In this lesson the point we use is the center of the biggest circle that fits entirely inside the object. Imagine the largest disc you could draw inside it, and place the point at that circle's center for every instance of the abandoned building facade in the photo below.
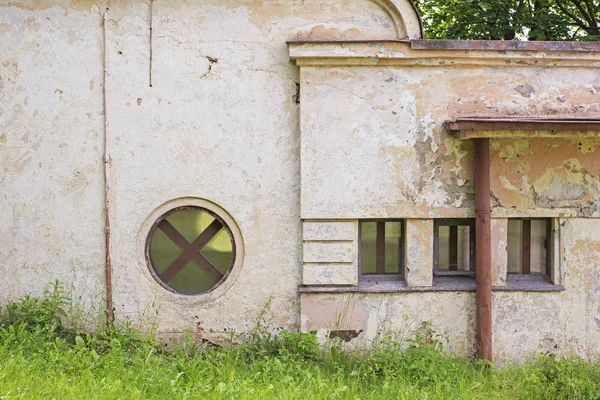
(187, 164)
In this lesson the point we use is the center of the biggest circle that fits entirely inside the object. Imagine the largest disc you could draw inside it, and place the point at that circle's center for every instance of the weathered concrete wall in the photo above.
(208, 112)
(564, 323)
(219, 123)
(51, 130)
(547, 176)
(377, 315)
(374, 145)
(386, 153)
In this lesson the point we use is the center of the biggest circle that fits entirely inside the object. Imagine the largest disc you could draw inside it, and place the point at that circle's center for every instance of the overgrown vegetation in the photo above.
(40, 358)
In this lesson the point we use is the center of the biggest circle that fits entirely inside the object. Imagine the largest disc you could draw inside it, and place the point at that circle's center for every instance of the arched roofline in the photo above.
(406, 18)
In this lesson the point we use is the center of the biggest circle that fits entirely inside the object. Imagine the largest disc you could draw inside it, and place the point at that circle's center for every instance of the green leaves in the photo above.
(511, 19)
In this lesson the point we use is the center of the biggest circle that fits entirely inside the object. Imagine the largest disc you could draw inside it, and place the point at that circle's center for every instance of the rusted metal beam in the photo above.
(453, 248)
(526, 248)
(473, 127)
(483, 249)
(380, 248)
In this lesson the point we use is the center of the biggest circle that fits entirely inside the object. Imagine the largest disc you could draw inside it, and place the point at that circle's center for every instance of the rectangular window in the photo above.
(454, 247)
(529, 246)
(381, 247)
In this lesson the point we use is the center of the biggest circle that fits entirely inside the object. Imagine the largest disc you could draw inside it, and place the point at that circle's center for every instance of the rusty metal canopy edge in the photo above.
(503, 45)
(530, 123)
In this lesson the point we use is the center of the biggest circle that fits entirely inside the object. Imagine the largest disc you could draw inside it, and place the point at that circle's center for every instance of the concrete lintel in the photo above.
(499, 251)
(381, 53)
(419, 252)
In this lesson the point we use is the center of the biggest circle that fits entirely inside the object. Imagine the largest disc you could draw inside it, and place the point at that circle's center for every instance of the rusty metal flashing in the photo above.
(503, 45)
(498, 127)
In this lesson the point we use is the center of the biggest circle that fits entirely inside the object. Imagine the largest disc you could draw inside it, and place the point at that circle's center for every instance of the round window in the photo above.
(190, 250)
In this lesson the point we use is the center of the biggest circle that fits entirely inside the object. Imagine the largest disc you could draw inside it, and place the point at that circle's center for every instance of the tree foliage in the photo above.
(511, 19)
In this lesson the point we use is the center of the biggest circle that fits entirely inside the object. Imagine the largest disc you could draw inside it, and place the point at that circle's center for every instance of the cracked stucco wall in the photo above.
(409, 166)
(221, 122)
(374, 146)
(561, 175)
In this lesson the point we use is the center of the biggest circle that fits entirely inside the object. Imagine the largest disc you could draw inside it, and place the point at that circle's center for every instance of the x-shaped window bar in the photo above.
(191, 251)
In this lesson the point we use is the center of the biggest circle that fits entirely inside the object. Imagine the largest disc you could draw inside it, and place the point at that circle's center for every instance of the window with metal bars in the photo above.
(382, 247)
(190, 250)
(454, 247)
(529, 246)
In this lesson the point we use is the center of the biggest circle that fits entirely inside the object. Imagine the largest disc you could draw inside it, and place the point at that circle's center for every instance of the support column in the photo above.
(483, 249)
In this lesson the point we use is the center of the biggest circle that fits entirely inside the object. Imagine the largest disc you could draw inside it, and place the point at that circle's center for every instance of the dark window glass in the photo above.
(381, 244)
(528, 246)
(454, 246)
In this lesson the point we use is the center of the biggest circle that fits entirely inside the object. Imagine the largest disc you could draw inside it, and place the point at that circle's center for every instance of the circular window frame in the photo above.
(166, 209)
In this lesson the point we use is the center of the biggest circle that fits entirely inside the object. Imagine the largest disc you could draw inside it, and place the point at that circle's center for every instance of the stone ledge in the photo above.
(440, 284)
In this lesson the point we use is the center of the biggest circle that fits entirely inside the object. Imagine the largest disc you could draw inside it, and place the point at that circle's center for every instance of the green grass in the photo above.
(40, 359)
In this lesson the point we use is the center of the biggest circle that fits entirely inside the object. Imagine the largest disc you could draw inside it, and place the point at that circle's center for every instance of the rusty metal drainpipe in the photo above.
(483, 251)
(107, 162)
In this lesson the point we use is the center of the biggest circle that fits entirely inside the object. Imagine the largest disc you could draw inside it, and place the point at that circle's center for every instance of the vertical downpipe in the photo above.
(107, 162)
(150, 39)
(483, 250)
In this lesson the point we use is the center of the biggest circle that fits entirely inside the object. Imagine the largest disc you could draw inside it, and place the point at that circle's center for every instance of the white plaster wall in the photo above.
(374, 146)
(397, 315)
(51, 129)
(220, 123)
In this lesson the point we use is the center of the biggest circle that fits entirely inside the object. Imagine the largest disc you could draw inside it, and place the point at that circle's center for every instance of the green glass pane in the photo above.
(367, 247)
(392, 247)
(515, 247)
(538, 246)
(162, 251)
(219, 251)
(443, 248)
(539, 249)
(393, 237)
(190, 223)
(463, 252)
(461, 243)
(192, 279)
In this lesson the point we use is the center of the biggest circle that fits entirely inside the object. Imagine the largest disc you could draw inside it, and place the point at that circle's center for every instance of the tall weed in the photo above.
(40, 358)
